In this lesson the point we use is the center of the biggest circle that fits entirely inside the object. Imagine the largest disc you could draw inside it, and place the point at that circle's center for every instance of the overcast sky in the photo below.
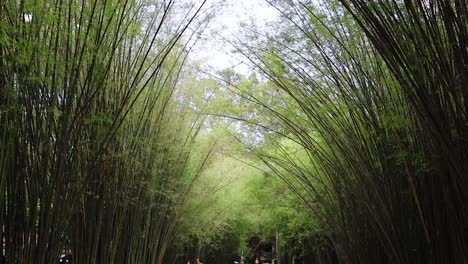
(212, 52)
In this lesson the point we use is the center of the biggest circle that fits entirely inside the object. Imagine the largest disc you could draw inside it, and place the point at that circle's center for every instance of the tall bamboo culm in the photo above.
(379, 90)
(93, 147)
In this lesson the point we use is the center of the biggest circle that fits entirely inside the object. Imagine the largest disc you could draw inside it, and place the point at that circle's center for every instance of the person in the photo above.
(188, 262)
(199, 261)
(257, 261)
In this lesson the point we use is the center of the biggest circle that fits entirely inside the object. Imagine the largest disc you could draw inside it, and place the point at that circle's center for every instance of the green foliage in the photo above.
(351, 141)
(95, 153)
(372, 119)
(234, 200)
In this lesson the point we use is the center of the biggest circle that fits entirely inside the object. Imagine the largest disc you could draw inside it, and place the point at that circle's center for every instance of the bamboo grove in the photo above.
(372, 94)
(95, 152)
(360, 110)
